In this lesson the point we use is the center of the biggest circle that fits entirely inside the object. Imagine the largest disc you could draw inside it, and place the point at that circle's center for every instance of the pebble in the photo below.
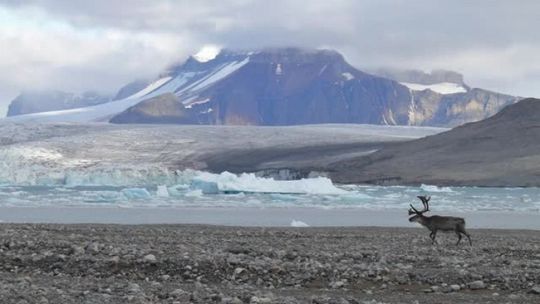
(150, 258)
(535, 290)
(455, 287)
(476, 285)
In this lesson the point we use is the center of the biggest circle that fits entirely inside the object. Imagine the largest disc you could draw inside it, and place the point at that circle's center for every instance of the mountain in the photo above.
(287, 87)
(290, 86)
(503, 150)
(442, 98)
(42, 101)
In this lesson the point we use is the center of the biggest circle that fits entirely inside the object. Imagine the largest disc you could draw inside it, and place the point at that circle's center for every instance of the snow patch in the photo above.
(151, 87)
(323, 69)
(412, 109)
(174, 84)
(207, 53)
(279, 70)
(441, 88)
(348, 76)
(217, 75)
(193, 101)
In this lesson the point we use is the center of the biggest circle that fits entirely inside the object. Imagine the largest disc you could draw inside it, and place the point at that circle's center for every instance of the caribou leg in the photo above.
(433, 235)
(469, 237)
(459, 237)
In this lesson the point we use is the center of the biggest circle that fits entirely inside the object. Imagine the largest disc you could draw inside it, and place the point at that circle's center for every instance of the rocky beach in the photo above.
(216, 264)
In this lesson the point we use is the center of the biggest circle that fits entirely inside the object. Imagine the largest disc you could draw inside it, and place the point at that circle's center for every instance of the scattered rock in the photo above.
(455, 287)
(150, 258)
(476, 285)
(209, 265)
(535, 290)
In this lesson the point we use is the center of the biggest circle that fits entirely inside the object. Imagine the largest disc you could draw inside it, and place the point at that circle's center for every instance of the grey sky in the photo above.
(102, 44)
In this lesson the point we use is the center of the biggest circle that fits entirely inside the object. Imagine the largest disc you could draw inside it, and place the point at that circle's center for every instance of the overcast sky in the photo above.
(78, 45)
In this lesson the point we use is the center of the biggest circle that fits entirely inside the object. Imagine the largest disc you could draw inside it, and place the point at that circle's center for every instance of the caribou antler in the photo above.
(425, 202)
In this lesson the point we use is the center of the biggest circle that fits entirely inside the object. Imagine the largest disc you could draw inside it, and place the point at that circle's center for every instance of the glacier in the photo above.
(99, 154)
(185, 84)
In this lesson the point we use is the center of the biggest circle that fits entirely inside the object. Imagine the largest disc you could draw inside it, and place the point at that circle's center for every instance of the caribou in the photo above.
(436, 222)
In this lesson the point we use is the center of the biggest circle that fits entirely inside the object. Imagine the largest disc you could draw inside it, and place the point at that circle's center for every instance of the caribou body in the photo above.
(435, 223)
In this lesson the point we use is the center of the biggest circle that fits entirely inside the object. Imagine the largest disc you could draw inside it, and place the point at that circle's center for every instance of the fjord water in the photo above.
(205, 198)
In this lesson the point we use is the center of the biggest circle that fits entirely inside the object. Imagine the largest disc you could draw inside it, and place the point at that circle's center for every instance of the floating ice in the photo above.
(162, 191)
(194, 193)
(296, 223)
(136, 193)
(431, 188)
(206, 187)
(248, 182)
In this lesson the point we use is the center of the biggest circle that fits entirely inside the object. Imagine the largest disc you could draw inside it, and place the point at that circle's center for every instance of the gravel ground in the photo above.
(211, 264)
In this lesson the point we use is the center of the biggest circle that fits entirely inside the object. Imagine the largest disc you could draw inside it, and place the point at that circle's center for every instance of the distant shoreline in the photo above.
(256, 216)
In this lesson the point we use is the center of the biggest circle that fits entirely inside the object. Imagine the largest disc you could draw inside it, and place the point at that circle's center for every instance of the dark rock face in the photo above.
(43, 101)
(292, 88)
(165, 108)
(503, 150)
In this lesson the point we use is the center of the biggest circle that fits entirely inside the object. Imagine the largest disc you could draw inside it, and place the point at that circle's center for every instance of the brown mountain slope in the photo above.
(503, 150)
(165, 109)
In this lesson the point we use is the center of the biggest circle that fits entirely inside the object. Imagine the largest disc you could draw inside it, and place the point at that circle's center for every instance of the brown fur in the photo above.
(438, 223)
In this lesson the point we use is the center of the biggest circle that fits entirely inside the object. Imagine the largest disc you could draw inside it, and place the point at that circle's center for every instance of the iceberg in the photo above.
(136, 193)
(162, 191)
(298, 224)
(227, 182)
(431, 188)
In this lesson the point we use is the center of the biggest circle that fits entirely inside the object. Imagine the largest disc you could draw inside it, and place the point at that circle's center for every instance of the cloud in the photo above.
(101, 44)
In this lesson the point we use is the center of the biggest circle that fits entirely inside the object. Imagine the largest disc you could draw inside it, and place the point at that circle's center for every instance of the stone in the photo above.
(150, 258)
(535, 290)
(455, 287)
(338, 284)
(133, 288)
(477, 285)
